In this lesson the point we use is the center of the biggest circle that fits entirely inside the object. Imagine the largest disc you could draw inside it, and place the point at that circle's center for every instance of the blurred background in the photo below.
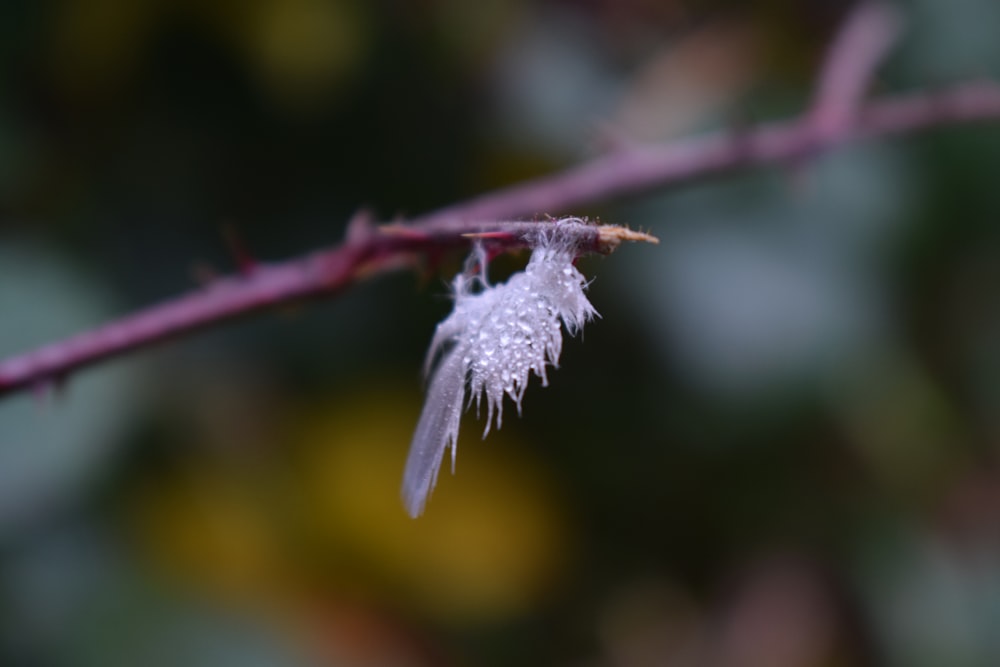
(777, 448)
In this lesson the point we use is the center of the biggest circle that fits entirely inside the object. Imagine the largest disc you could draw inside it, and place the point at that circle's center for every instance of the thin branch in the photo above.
(631, 171)
(370, 250)
(860, 45)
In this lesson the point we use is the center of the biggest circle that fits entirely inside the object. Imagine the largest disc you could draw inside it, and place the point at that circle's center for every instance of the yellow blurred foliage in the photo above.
(96, 43)
(300, 49)
(297, 50)
(323, 518)
(210, 528)
(492, 537)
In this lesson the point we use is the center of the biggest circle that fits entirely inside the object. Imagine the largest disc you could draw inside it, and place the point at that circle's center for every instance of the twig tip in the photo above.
(610, 237)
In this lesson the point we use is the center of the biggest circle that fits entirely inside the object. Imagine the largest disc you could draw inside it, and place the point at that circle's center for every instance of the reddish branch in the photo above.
(859, 46)
(837, 117)
(637, 170)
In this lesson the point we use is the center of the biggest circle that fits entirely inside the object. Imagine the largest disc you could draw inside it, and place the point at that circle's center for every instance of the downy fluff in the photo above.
(492, 341)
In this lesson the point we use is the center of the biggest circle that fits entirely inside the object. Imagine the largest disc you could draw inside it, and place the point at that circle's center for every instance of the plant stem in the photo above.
(838, 117)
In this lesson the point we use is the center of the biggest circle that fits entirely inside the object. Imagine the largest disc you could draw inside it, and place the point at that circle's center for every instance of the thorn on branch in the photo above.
(46, 389)
(204, 274)
(246, 265)
(360, 227)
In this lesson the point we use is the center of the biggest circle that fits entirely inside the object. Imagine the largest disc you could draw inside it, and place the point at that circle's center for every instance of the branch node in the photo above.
(859, 47)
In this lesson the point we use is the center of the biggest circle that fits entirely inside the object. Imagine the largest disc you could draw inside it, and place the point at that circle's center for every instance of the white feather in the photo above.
(493, 340)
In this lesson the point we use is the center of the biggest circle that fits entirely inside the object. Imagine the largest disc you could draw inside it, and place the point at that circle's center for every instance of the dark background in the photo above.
(777, 447)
